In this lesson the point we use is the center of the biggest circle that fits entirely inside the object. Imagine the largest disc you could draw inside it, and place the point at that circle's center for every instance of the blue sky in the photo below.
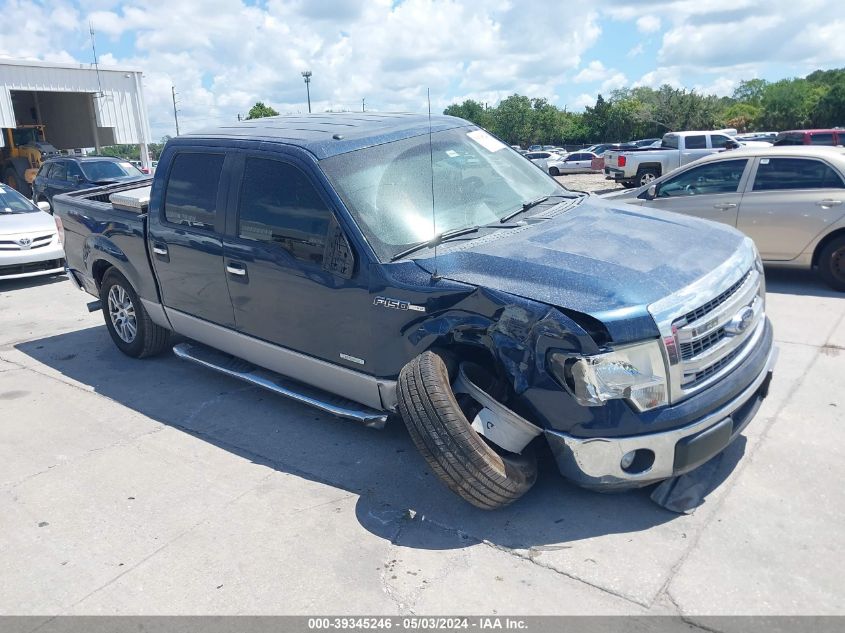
(223, 55)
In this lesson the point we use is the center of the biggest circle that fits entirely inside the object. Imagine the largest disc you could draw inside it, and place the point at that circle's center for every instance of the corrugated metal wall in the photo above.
(119, 106)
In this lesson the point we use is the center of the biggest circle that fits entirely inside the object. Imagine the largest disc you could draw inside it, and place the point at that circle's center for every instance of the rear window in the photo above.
(795, 173)
(191, 197)
(821, 138)
(670, 141)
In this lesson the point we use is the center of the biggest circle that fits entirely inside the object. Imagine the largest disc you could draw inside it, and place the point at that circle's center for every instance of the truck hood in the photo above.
(601, 258)
(22, 223)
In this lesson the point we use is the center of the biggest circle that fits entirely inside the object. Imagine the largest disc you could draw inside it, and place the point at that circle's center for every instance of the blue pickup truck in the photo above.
(392, 265)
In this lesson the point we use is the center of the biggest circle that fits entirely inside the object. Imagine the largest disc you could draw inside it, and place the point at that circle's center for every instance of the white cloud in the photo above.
(636, 51)
(583, 100)
(617, 80)
(648, 23)
(594, 71)
(659, 77)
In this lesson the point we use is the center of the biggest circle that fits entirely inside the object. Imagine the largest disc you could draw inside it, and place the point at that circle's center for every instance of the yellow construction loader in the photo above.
(25, 149)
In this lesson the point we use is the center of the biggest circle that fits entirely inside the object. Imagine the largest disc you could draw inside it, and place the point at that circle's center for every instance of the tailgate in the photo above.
(611, 159)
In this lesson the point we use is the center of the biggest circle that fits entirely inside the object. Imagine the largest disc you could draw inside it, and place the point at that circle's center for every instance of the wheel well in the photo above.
(825, 241)
(98, 270)
(655, 166)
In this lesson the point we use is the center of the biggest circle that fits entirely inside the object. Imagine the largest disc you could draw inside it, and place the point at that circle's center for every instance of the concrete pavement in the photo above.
(157, 487)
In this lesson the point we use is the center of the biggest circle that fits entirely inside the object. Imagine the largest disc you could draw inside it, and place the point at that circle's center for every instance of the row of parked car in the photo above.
(664, 154)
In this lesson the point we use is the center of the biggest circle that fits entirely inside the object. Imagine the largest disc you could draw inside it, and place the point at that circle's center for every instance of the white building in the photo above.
(79, 106)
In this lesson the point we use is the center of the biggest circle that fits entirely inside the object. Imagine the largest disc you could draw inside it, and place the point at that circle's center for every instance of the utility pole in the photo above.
(239, 117)
(362, 106)
(306, 74)
(175, 111)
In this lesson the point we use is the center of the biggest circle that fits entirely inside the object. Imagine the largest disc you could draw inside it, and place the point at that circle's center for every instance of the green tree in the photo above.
(259, 111)
(790, 103)
(751, 91)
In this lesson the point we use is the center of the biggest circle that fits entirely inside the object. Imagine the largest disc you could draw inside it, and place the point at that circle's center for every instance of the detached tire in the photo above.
(128, 323)
(454, 451)
(832, 264)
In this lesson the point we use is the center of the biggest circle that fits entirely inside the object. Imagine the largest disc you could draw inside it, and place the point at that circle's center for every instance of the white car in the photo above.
(574, 163)
(541, 158)
(31, 240)
(789, 200)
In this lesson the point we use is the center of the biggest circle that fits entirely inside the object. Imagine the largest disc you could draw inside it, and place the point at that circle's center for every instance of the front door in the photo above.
(284, 255)
(186, 247)
(790, 202)
(712, 191)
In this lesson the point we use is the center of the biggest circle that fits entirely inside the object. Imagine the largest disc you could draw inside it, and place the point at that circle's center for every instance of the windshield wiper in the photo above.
(530, 204)
(435, 241)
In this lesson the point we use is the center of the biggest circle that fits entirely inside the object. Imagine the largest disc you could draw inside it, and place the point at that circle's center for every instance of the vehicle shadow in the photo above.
(797, 282)
(31, 282)
(383, 468)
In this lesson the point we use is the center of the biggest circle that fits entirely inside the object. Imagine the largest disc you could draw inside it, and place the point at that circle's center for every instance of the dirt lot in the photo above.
(157, 487)
(588, 182)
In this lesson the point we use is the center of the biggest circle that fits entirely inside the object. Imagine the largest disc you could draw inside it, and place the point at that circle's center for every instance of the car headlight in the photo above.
(636, 373)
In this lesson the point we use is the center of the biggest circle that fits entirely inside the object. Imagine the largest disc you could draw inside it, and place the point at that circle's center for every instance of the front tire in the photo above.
(455, 452)
(128, 323)
(832, 264)
(554, 171)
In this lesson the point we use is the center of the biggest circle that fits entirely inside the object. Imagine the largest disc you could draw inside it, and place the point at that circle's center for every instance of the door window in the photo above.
(717, 177)
(191, 197)
(59, 171)
(795, 173)
(696, 142)
(74, 170)
(719, 140)
(821, 138)
(279, 205)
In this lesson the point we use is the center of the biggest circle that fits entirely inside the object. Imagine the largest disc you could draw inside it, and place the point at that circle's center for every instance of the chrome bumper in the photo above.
(596, 462)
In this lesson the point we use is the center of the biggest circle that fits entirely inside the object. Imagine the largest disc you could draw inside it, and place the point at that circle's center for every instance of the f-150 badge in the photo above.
(396, 304)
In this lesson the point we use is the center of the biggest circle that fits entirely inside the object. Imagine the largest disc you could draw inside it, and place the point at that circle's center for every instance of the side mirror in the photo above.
(44, 205)
(651, 193)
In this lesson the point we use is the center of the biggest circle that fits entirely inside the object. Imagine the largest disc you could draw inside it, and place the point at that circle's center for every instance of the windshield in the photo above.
(476, 181)
(108, 170)
(13, 202)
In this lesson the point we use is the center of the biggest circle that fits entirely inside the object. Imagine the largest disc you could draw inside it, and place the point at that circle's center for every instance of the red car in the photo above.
(834, 136)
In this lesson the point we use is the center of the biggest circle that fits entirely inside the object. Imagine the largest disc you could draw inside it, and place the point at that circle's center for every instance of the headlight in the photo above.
(636, 373)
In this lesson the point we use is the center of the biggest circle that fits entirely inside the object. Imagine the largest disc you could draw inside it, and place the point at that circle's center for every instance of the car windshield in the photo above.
(13, 202)
(109, 170)
(475, 180)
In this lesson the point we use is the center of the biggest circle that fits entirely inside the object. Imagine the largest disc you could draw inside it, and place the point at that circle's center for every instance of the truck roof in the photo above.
(329, 134)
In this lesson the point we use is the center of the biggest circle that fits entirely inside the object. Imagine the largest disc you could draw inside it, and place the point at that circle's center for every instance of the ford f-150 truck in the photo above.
(374, 265)
(639, 167)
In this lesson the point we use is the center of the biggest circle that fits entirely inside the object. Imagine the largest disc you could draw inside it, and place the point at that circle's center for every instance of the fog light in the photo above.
(627, 460)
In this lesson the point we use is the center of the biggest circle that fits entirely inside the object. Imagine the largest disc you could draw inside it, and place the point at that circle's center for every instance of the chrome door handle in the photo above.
(234, 269)
(158, 249)
(724, 206)
(829, 203)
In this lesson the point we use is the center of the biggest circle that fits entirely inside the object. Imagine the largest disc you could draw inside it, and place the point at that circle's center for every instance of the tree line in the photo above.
(817, 100)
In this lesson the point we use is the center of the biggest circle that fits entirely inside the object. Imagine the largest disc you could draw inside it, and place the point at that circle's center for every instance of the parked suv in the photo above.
(70, 173)
(835, 136)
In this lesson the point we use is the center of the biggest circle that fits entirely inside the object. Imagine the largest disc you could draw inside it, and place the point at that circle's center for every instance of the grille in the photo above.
(711, 305)
(37, 242)
(706, 346)
(33, 267)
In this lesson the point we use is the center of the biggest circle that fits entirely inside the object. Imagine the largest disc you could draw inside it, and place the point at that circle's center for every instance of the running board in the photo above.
(246, 371)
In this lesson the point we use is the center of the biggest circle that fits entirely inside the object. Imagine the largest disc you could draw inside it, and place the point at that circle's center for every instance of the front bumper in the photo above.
(596, 462)
(47, 260)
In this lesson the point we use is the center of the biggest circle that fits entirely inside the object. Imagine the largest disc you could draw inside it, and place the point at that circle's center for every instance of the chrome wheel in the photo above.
(122, 314)
(647, 178)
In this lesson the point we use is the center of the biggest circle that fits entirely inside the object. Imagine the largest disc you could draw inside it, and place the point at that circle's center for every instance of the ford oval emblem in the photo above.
(740, 321)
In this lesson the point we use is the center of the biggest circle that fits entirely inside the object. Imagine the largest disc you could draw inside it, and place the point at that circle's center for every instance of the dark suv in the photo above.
(70, 173)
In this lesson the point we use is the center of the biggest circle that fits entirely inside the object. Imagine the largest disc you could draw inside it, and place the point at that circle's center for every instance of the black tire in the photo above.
(646, 176)
(149, 339)
(454, 451)
(832, 263)
(629, 185)
(554, 171)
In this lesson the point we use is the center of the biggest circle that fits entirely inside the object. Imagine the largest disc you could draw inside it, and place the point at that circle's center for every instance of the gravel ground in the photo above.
(588, 182)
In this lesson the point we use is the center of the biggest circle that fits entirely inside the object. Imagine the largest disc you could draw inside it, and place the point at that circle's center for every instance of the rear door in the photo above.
(790, 201)
(291, 270)
(186, 245)
(712, 191)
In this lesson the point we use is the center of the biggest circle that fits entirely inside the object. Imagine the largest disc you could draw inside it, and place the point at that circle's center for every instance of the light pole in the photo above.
(307, 76)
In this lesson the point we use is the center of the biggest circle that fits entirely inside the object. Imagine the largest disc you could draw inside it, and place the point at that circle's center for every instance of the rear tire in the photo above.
(646, 176)
(554, 171)
(832, 264)
(128, 323)
(454, 451)
(629, 185)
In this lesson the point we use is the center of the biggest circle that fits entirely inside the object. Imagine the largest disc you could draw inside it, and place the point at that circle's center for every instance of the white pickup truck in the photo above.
(635, 168)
